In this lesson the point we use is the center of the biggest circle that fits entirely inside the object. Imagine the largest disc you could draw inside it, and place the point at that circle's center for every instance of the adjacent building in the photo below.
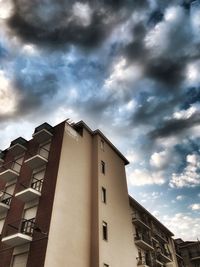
(188, 253)
(153, 241)
(64, 202)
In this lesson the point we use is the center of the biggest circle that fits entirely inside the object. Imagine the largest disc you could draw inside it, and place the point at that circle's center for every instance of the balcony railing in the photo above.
(160, 236)
(30, 192)
(19, 232)
(10, 171)
(38, 159)
(143, 241)
(164, 256)
(5, 200)
(195, 254)
(140, 220)
(37, 184)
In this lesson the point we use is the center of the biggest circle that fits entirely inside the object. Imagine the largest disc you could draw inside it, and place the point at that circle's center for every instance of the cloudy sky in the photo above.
(128, 67)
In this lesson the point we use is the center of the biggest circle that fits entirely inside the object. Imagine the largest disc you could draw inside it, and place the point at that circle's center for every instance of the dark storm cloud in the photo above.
(53, 23)
(167, 71)
(176, 126)
(35, 92)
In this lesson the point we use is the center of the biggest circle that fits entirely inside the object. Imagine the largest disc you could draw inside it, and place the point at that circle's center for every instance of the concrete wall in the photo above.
(119, 249)
(70, 229)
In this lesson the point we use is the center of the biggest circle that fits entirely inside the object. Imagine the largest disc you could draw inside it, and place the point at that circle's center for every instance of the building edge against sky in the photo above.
(65, 202)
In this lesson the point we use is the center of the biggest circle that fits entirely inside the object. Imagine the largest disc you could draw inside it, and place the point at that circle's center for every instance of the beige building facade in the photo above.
(67, 204)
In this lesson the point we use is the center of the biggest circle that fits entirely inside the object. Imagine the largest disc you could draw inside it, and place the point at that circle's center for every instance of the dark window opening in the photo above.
(105, 231)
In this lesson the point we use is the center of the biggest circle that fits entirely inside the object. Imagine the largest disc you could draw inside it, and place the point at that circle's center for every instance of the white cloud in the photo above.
(183, 226)
(6, 8)
(195, 206)
(186, 114)
(82, 13)
(123, 75)
(164, 37)
(180, 197)
(142, 177)
(8, 98)
(190, 177)
(159, 160)
(192, 73)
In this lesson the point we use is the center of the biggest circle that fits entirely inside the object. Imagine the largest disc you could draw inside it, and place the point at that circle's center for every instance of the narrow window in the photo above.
(102, 144)
(20, 260)
(105, 231)
(103, 195)
(105, 265)
(103, 167)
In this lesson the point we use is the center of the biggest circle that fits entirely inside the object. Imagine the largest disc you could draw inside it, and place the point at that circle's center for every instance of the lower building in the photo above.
(64, 202)
(188, 253)
(153, 242)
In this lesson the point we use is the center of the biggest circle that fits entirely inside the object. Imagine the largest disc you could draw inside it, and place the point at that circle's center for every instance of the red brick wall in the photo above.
(38, 245)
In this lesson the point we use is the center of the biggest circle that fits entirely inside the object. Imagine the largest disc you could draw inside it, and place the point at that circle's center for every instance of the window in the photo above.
(103, 195)
(44, 150)
(102, 144)
(103, 168)
(17, 163)
(105, 231)
(20, 260)
(1, 225)
(105, 265)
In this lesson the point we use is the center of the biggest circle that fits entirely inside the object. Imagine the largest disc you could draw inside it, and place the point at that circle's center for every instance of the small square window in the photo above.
(103, 167)
(102, 144)
(105, 231)
(103, 195)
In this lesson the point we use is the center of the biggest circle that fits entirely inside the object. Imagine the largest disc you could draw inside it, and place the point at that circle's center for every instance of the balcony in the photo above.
(39, 159)
(143, 241)
(195, 255)
(140, 221)
(5, 200)
(164, 257)
(160, 237)
(43, 133)
(31, 192)
(21, 232)
(143, 262)
(10, 173)
(18, 146)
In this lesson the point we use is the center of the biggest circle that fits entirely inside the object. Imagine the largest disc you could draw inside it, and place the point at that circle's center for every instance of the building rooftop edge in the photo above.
(132, 200)
(97, 131)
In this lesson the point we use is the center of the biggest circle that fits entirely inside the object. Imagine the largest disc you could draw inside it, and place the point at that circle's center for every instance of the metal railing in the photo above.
(163, 252)
(40, 151)
(37, 184)
(160, 235)
(143, 237)
(195, 254)
(11, 165)
(24, 226)
(5, 198)
(27, 226)
(137, 216)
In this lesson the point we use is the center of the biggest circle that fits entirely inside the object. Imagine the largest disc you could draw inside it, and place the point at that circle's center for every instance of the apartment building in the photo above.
(64, 202)
(153, 241)
(188, 253)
